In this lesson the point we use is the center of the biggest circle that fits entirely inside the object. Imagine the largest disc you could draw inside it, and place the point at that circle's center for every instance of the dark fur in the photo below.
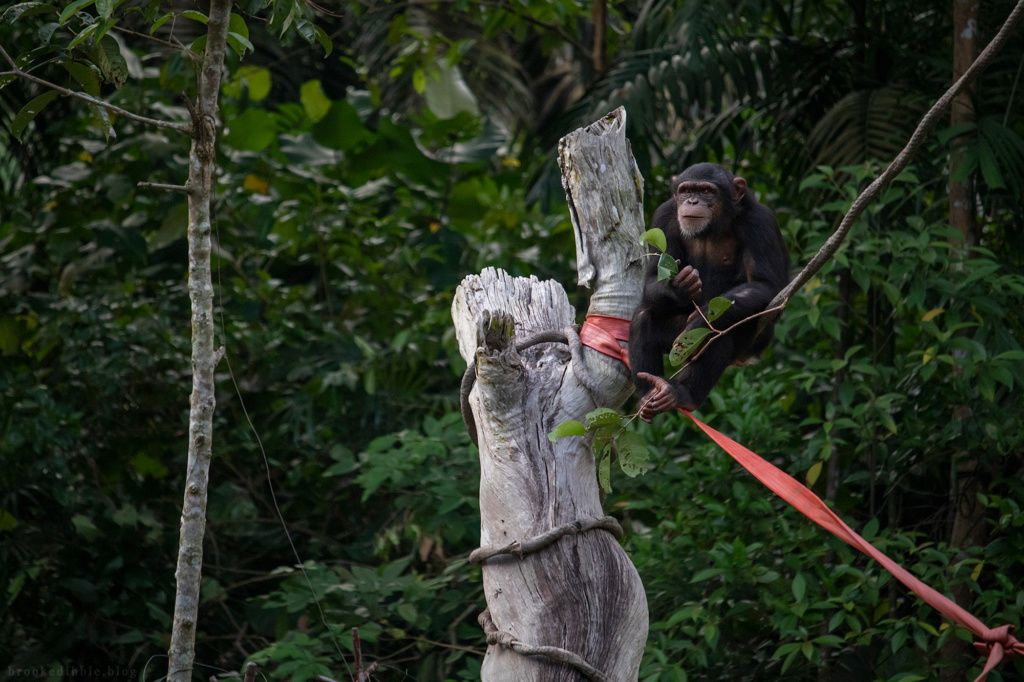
(740, 255)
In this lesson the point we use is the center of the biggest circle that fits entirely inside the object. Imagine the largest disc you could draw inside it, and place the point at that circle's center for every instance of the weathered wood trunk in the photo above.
(580, 594)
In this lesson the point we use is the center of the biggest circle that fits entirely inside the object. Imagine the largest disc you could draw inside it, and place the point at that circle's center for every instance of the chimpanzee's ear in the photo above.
(739, 189)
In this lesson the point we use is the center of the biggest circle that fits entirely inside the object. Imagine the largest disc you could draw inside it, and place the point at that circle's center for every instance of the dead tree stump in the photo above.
(579, 594)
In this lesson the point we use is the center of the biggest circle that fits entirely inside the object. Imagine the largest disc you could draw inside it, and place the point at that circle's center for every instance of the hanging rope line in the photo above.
(996, 643)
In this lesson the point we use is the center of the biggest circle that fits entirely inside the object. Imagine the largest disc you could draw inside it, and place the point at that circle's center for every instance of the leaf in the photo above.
(239, 44)
(829, 640)
(932, 314)
(814, 472)
(104, 27)
(407, 611)
(146, 464)
(253, 130)
(282, 25)
(701, 576)
(799, 586)
(325, 41)
(870, 530)
(634, 457)
(813, 315)
(656, 238)
(25, 9)
(314, 34)
(256, 78)
(194, 16)
(989, 166)
(419, 81)
(29, 112)
(447, 93)
(85, 527)
(85, 76)
(236, 24)
(602, 417)
(256, 184)
(45, 32)
(604, 474)
(105, 8)
(314, 101)
(101, 117)
(569, 428)
(687, 344)
(897, 640)
(717, 306)
(160, 22)
(836, 619)
(85, 33)
(667, 267)
(107, 56)
(71, 9)
(341, 128)
(785, 649)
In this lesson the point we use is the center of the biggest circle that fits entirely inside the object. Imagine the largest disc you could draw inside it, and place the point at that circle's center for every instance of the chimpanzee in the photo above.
(727, 244)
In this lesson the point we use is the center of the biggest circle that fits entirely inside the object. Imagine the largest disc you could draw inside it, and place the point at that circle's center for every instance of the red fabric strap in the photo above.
(603, 333)
(997, 643)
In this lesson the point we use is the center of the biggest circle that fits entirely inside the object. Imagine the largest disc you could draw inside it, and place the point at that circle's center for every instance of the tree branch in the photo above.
(15, 71)
(169, 188)
(900, 162)
(178, 46)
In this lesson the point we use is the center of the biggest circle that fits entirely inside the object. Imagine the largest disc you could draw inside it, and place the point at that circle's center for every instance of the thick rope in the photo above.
(535, 544)
(552, 652)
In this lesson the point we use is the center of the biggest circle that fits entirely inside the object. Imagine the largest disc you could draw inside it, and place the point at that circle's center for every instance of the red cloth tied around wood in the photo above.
(997, 643)
(603, 333)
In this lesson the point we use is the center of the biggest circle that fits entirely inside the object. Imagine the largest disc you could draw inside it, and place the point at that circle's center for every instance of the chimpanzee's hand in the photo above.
(688, 280)
(659, 399)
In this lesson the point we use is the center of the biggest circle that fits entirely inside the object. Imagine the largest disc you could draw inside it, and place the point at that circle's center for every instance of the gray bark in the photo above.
(181, 653)
(580, 594)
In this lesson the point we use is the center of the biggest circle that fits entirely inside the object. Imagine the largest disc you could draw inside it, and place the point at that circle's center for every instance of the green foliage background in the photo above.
(369, 162)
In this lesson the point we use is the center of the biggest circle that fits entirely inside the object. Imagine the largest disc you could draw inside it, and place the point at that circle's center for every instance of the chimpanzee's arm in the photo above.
(670, 296)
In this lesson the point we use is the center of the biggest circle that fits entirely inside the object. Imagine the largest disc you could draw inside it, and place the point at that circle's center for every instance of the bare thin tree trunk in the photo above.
(188, 575)
(968, 514)
(961, 192)
(581, 594)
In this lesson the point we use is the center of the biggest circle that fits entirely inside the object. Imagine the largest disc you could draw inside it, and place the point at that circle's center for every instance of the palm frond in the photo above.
(865, 125)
